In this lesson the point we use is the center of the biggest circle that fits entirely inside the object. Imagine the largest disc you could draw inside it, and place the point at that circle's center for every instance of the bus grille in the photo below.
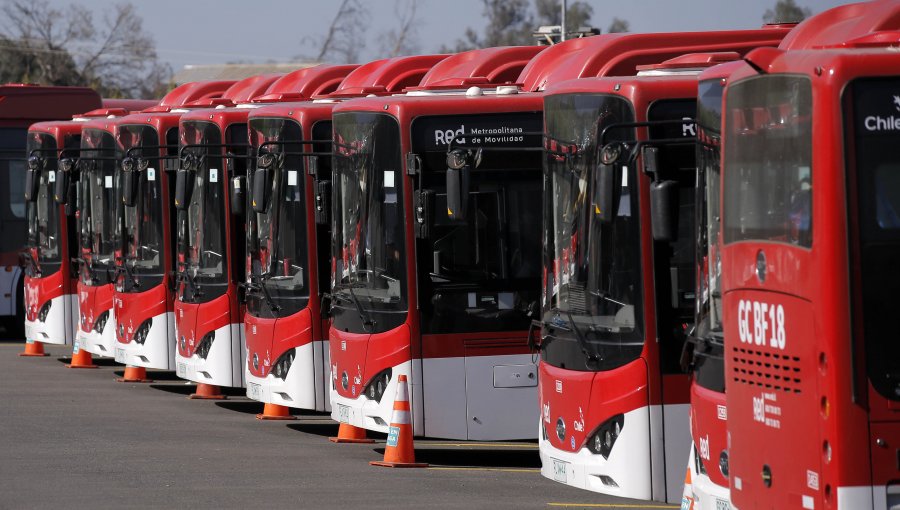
(766, 369)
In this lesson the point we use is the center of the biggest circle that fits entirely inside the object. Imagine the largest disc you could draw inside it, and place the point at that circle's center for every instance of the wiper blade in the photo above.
(266, 295)
(367, 321)
(589, 355)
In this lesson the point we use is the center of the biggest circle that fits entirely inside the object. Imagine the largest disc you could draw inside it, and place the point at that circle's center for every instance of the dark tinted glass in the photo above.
(768, 160)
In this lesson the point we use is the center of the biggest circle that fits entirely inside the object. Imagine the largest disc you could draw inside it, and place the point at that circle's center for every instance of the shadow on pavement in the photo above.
(100, 362)
(250, 407)
(459, 457)
(155, 375)
(316, 429)
(179, 389)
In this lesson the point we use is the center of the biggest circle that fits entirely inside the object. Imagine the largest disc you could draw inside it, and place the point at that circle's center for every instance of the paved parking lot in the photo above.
(77, 439)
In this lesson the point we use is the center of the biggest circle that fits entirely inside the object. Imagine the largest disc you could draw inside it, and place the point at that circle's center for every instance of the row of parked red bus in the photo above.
(314, 236)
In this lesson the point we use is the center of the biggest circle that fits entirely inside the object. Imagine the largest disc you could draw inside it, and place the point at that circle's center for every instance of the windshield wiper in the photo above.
(591, 357)
(605, 295)
(261, 285)
(367, 321)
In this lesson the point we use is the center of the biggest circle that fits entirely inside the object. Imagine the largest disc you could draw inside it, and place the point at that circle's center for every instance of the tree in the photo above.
(404, 40)
(47, 45)
(786, 11)
(345, 36)
(509, 23)
(618, 25)
(549, 12)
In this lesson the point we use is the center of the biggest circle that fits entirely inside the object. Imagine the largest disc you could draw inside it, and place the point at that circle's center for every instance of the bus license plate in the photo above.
(181, 370)
(254, 391)
(559, 470)
(721, 504)
(343, 413)
(120, 355)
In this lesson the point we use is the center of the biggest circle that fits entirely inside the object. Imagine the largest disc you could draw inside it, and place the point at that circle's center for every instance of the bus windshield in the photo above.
(768, 157)
(280, 258)
(591, 306)
(99, 178)
(202, 226)
(144, 221)
(368, 236)
(12, 185)
(708, 359)
(482, 273)
(43, 215)
(875, 174)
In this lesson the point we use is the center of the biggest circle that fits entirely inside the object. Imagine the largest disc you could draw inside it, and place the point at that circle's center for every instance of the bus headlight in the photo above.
(140, 336)
(283, 364)
(205, 344)
(723, 463)
(375, 389)
(601, 442)
(100, 323)
(45, 310)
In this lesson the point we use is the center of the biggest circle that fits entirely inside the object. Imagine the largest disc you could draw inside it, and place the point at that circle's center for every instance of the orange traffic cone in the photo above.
(349, 434)
(81, 359)
(134, 375)
(275, 412)
(399, 452)
(207, 392)
(33, 349)
(687, 497)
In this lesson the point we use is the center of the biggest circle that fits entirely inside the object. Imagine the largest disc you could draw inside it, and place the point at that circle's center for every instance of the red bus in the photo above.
(809, 231)
(145, 318)
(618, 300)
(710, 456)
(288, 256)
(218, 363)
(50, 143)
(212, 246)
(22, 220)
(144, 279)
(446, 298)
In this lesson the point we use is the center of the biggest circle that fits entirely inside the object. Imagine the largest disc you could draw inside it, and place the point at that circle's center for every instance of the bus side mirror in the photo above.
(183, 188)
(237, 195)
(33, 178)
(61, 187)
(72, 203)
(261, 189)
(423, 205)
(603, 199)
(458, 168)
(323, 202)
(130, 178)
(663, 199)
(664, 210)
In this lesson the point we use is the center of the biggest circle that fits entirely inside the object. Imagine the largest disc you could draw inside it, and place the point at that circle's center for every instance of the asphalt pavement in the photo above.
(72, 439)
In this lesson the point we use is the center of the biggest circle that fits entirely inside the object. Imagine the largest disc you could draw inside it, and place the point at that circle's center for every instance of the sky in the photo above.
(218, 31)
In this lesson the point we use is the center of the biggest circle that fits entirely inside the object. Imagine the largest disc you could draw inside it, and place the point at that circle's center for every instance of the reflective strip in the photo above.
(402, 393)
(400, 418)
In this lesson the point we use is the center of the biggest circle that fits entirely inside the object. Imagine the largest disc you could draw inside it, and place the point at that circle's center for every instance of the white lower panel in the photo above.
(496, 410)
(372, 415)
(59, 327)
(157, 351)
(627, 471)
(303, 386)
(444, 393)
(677, 437)
(99, 344)
(707, 495)
(8, 280)
(222, 366)
(851, 498)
